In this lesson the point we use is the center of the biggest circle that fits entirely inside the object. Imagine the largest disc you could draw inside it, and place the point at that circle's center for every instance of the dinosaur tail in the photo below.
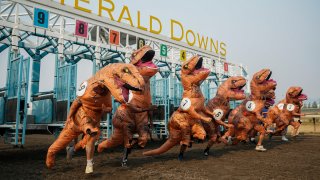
(162, 149)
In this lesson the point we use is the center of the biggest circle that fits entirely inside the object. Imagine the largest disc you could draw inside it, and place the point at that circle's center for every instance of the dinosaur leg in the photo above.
(295, 126)
(242, 128)
(260, 128)
(230, 133)
(128, 141)
(262, 132)
(198, 131)
(65, 137)
(90, 140)
(117, 137)
(213, 134)
(142, 128)
(183, 148)
(252, 135)
(115, 140)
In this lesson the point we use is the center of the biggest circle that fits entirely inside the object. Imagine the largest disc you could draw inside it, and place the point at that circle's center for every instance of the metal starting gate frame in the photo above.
(46, 27)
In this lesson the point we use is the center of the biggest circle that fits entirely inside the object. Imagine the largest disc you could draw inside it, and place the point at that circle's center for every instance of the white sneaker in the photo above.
(89, 169)
(260, 148)
(70, 152)
(229, 140)
(252, 139)
(284, 138)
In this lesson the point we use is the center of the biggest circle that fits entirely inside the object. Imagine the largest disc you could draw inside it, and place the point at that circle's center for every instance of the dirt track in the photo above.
(297, 159)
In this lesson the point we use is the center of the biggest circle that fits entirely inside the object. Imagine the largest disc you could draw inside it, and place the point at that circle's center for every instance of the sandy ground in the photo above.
(297, 159)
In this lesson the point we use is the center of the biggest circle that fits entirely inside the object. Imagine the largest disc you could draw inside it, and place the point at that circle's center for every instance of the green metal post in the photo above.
(18, 100)
(26, 101)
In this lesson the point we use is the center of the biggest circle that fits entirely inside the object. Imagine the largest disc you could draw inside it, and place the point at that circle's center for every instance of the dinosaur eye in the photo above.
(234, 81)
(126, 70)
(185, 66)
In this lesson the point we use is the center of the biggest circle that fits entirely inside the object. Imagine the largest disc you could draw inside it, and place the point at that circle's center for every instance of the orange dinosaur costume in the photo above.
(93, 98)
(191, 110)
(247, 116)
(231, 89)
(132, 117)
(283, 113)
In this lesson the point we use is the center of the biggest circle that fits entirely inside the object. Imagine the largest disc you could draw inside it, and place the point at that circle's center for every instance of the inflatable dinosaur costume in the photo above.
(191, 110)
(247, 116)
(132, 117)
(283, 113)
(93, 98)
(231, 89)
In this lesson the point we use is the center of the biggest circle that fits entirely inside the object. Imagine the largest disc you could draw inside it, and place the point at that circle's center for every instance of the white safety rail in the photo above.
(72, 34)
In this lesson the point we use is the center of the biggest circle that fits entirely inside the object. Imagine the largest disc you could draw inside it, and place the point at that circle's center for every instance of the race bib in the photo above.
(280, 106)
(185, 104)
(82, 88)
(290, 107)
(218, 114)
(250, 106)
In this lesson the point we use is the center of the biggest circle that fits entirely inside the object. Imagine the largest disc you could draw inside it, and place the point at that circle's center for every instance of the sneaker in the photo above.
(260, 148)
(284, 138)
(229, 140)
(89, 169)
(70, 152)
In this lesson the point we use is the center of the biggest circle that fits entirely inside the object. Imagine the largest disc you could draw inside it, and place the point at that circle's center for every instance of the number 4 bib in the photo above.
(290, 107)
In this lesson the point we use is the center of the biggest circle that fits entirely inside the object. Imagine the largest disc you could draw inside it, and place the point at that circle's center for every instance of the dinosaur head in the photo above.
(270, 96)
(194, 70)
(294, 94)
(261, 82)
(232, 88)
(120, 78)
(142, 59)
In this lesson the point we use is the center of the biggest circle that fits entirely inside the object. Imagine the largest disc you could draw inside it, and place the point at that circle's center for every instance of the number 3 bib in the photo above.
(250, 106)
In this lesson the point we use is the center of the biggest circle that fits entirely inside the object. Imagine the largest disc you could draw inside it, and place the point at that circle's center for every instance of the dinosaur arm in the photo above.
(260, 117)
(298, 114)
(137, 109)
(223, 123)
(208, 112)
(74, 108)
(194, 114)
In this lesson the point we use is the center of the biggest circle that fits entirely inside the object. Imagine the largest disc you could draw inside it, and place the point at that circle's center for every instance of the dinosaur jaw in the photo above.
(238, 92)
(270, 101)
(125, 88)
(302, 97)
(268, 80)
(199, 67)
(145, 66)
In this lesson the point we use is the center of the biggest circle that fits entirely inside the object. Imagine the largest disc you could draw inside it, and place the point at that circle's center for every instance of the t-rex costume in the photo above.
(220, 105)
(132, 117)
(247, 116)
(93, 98)
(191, 109)
(283, 113)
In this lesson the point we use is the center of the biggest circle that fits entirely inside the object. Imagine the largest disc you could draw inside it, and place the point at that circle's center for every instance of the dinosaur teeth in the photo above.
(269, 76)
(129, 87)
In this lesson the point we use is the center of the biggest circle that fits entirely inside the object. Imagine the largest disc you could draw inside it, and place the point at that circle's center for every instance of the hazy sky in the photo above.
(283, 35)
